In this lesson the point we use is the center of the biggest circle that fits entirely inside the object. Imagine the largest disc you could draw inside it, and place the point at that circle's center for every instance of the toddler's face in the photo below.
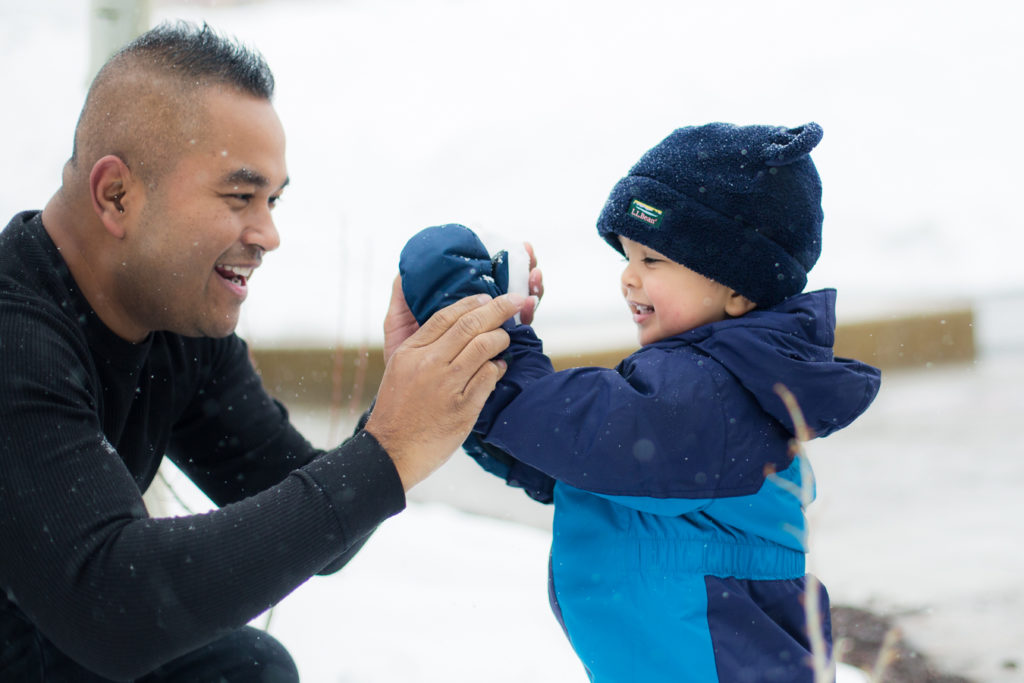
(665, 297)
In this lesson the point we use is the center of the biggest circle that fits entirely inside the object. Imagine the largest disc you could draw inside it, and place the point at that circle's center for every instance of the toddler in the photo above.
(679, 535)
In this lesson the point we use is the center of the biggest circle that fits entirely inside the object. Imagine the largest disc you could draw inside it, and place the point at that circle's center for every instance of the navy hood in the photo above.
(792, 344)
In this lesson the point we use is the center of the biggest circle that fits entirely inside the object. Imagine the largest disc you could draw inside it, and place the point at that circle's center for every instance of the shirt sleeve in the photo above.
(121, 592)
(231, 438)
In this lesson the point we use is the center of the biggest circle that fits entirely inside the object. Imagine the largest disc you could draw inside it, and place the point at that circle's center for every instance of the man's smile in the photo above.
(238, 275)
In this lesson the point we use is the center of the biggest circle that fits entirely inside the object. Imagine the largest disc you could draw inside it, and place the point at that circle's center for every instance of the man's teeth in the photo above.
(235, 274)
(238, 270)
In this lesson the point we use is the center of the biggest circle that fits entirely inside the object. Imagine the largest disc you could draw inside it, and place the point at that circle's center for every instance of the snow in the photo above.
(919, 513)
(517, 118)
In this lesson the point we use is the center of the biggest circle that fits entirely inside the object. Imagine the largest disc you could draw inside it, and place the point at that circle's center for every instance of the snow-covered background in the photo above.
(516, 117)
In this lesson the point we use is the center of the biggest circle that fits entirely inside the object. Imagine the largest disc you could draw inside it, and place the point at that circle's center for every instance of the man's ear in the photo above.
(738, 305)
(109, 183)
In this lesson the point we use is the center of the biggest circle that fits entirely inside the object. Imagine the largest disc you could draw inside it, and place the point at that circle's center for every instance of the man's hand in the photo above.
(536, 286)
(437, 380)
(399, 323)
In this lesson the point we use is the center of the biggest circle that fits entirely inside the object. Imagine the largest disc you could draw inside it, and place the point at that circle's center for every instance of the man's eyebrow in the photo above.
(247, 176)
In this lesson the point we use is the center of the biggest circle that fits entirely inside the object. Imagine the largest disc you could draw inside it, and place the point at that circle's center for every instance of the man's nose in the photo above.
(262, 232)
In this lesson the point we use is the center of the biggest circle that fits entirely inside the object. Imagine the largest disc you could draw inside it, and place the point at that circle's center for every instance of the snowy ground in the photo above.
(517, 118)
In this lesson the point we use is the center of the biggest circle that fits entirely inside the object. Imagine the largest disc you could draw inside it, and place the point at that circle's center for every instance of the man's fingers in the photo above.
(483, 382)
(499, 310)
(529, 310)
(535, 279)
(478, 351)
(442, 321)
(536, 283)
(530, 252)
(455, 326)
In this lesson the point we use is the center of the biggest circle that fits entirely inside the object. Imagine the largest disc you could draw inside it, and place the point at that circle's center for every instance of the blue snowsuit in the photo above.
(677, 555)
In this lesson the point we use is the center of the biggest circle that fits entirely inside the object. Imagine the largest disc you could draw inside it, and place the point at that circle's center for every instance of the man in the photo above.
(118, 304)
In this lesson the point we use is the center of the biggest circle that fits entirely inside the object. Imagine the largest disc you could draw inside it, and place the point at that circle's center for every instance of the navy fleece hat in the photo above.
(738, 204)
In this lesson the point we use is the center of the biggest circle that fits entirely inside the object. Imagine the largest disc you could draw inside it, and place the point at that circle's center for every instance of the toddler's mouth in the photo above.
(640, 309)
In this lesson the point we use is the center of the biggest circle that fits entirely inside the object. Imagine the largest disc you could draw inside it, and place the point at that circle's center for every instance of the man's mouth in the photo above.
(237, 275)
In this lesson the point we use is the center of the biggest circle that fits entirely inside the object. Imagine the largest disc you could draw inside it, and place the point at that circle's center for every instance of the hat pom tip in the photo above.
(795, 144)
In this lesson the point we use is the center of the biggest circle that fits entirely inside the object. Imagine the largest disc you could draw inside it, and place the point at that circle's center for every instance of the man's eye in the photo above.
(273, 201)
(240, 199)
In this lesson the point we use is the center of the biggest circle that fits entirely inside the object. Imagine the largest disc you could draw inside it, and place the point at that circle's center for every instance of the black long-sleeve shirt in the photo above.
(85, 420)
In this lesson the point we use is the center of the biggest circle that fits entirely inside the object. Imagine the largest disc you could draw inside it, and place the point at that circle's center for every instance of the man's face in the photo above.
(206, 223)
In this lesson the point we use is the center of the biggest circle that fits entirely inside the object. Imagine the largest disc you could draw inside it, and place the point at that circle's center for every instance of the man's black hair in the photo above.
(202, 54)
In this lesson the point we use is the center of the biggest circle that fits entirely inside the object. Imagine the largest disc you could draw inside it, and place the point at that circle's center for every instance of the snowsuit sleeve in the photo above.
(121, 592)
(658, 433)
(658, 427)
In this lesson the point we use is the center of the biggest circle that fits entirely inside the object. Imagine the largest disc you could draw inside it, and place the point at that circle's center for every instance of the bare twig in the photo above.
(824, 664)
(337, 386)
(822, 660)
(887, 655)
(174, 493)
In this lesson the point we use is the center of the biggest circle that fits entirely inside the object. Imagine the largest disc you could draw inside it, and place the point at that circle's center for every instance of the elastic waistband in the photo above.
(755, 561)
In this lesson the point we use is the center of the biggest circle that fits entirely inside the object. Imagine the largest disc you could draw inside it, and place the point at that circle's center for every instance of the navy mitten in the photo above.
(445, 263)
